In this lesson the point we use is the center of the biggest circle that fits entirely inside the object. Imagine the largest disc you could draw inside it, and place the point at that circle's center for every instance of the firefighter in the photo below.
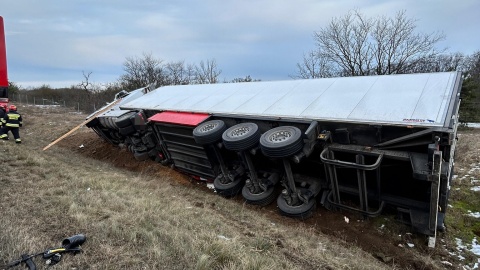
(12, 121)
(3, 110)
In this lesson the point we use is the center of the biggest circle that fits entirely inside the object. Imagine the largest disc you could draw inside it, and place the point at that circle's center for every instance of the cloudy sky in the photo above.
(53, 41)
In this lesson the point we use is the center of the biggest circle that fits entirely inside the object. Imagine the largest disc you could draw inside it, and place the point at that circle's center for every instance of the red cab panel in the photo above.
(3, 57)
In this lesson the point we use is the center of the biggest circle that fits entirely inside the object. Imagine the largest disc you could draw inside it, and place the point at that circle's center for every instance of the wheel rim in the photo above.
(208, 127)
(279, 136)
(241, 136)
(240, 132)
(281, 141)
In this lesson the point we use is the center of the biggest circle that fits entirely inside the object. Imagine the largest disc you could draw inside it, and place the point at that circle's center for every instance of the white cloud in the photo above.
(262, 38)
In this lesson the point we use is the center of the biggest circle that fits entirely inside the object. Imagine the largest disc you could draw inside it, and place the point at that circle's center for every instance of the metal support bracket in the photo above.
(434, 178)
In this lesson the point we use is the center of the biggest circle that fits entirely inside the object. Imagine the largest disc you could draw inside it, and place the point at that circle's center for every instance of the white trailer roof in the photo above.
(420, 99)
(115, 111)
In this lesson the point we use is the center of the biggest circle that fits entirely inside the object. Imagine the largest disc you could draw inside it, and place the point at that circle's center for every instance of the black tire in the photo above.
(148, 140)
(264, 198)
(241, 137)
(153, 153)
(228, 190)
(111, 123)
(127, 130)
(130, 148)
(281, 142)
(302, 211)
(140, 148)
(101, 120)
(136, 140)
(124, 120)
(209, 132)
(117, 135)
(141, 156)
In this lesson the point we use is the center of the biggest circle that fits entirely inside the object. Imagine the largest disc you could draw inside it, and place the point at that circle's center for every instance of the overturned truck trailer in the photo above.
(364, 144)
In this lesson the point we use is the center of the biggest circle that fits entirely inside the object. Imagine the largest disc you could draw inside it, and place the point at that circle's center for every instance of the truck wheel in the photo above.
(241, 137)
(302, 211)
(111, 123)
(229, 189)
(140, 148)
(281, 142)
(209, 132)
(141, 156)
(125, 131)
(124, 120)
(263, 198)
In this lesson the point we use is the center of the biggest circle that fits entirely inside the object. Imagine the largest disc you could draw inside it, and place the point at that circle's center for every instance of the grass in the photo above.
(139, 220)
(462, 199)
(154, 218)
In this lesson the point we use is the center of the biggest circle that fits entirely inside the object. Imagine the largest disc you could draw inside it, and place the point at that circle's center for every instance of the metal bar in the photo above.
(251, 167)
(411, 136)
(434, 178)
(288, 172)
(370, 151)
(366, 213)
(362, 184)
(223, 167)
(332, 171)
(350, 164)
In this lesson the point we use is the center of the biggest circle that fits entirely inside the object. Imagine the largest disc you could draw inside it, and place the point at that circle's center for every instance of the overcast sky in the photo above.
(53, 41)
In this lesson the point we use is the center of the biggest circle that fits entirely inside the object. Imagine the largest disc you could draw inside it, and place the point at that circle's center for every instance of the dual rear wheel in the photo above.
(279, 142)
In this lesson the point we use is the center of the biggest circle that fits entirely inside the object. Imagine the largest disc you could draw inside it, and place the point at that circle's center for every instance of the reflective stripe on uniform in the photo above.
(13, 116)
(13, 120)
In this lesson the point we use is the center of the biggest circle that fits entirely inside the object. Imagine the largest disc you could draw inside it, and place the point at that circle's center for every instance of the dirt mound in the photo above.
(383, 237)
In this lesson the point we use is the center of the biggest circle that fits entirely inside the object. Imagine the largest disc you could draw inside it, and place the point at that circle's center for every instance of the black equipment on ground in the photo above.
(54, 255)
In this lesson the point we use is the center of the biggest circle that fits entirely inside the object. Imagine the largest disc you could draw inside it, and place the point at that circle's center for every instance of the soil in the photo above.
(383, 237)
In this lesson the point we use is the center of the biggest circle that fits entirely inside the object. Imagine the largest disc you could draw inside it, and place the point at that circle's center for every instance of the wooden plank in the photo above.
(83, 123)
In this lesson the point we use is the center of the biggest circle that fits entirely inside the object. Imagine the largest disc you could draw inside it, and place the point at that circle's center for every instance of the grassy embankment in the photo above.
(145, 220)
(139, 221)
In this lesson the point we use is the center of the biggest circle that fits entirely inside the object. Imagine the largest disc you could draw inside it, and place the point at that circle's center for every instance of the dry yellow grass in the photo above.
(145, 220)
(138, 221)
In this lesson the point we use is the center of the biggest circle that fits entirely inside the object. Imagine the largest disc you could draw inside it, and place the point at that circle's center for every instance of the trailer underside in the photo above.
(360, 155)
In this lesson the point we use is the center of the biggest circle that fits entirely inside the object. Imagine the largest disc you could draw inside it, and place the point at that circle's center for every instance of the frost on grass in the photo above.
(473, 125)
(474, 248)
(474, 214)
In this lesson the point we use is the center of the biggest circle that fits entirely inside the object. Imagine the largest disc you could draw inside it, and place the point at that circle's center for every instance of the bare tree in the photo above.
(143, 71)
(397, 46)
(439, 63)
(355, 45)
(87, 86)
(91, 92)
(207, 73)
(313, 67)
(179, 73)
(247, 78)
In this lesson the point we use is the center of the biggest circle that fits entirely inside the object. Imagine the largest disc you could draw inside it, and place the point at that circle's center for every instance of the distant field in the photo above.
(141, 215)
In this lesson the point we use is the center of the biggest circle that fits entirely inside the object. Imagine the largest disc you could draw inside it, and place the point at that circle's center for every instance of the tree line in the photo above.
(351, 45)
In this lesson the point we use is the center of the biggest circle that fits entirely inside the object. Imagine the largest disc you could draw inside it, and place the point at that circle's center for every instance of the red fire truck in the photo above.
(3, 66)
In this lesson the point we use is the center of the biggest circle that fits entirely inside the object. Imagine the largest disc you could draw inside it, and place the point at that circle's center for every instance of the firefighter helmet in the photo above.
(3, 106)
(12, 108)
